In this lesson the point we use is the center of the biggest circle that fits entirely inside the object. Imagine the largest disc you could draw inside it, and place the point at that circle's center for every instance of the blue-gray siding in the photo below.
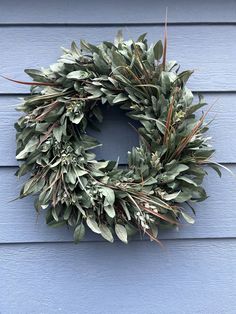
(41, 271)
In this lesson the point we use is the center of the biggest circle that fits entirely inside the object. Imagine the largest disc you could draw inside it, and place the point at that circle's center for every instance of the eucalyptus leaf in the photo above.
(109, 209)
(121, 233)
(79, 233)
(78, 75)
(188, 218)
(109, 194)
(158, 50)
(57, 132)
(106, 233)
(92, 224)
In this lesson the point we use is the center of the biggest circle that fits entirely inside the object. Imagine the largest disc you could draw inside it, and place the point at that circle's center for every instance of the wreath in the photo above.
(164, 173)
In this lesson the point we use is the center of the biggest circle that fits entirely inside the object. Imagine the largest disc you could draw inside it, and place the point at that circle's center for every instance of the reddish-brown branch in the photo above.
(43, 115)
(165, 43)
(30, 83)
(153, 238)
(47, 134)
(168, 122)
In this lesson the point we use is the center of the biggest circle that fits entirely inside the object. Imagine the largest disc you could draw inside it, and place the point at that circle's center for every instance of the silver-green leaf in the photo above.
(79, 233)
(121, 233)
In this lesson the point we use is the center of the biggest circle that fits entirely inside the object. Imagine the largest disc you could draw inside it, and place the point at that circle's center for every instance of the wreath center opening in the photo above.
(116, 134)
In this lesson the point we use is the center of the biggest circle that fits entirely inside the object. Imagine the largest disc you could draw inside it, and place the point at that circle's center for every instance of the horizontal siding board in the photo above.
(215, 217)
(96, 278)
(118, 137)
(198, 47)
(106, 11)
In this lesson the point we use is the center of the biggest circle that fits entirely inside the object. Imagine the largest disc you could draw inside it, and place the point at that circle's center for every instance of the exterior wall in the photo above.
(41, 270)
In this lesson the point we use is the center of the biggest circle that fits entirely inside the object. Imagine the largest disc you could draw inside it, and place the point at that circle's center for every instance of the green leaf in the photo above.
(172, 196)
(70, 175)
(119, 38)
(121, 233)
(154, 230)
(188, 218)
(79, 233)
(126, 210)
(188, 180)
(80, 172)
(101, 164)
(92, 224)
(141, 37)
(120, 98)
(109, 209)
(56, 224)
(183, 197)
(216, 168)
(57, 132)
(37, 75)
(76, 119)
(106, 233)
(28, 187)
(176, 169)
(44, 197)
(67, 213)
(100, 64)
(150, 181)
(161, 126)
(56, 212)
(88, 47)
(118, 59)
(75, 50)
(150, 55)
(78, 75)
(184, 76)
(23, 169)
(29, 147)
(131, 229)
(94, 91)
(109, 194)
(56, 163)
(89, 142)
(158, 50)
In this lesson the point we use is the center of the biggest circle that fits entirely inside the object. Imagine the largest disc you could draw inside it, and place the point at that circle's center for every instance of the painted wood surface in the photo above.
(208, 49)
(116, 12)
(187, 276)
(118, 136)
(40, 270)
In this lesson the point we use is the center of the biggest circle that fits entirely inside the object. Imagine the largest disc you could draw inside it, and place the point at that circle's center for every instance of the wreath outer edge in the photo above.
(164, 174)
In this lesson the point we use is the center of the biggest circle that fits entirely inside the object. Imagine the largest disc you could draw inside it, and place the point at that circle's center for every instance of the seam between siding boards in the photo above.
(115, 24)
(117, 241)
